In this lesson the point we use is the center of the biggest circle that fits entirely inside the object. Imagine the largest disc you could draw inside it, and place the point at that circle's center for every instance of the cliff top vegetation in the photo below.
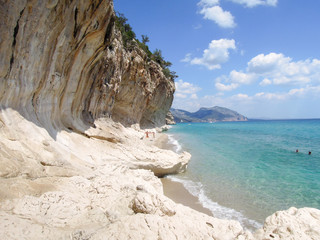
(130, 41)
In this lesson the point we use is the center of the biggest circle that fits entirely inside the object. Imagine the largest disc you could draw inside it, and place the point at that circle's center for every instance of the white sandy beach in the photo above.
(175, 190)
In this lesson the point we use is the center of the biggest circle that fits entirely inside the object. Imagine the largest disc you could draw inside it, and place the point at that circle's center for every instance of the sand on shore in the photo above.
(162, 141)
(175, 190)
(179, 194)
(157, 139)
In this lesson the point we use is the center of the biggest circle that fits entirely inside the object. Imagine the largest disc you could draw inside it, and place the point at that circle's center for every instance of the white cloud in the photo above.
(194, 96)
(224, 87)
(263, 64)
(234, 80)
(292, 93)
(308, 90)
(208, 3)
(241, 97)
(270, 96)
(281, 70)
(274, 70)
(281, 80)
(189, 102)
(219, 16)
(180, 95)
(265, 82)
(211, 10)
(262, 104)
(259, 94)
(216, 54)
(241, 78)
(187, 58)
(295, 92)
(185, 89)
(254, 3)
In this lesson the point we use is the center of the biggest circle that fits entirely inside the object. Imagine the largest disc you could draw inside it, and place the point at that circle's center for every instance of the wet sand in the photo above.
(162, 141)
(175, 190)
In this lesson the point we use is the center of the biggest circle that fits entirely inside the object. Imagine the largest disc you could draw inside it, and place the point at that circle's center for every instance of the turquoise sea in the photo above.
(248, 170)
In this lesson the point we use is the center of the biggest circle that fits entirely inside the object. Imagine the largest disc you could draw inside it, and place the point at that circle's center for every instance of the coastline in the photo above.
(114, 198)
(175, 190)
(76, 161)
(179, 194)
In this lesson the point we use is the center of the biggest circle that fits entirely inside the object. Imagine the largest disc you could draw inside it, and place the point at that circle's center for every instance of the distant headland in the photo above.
(214, 114)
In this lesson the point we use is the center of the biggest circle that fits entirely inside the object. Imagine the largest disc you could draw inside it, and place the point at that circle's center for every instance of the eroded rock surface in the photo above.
(294, 223)
(70, 168)
(63, 64)
(170, 119)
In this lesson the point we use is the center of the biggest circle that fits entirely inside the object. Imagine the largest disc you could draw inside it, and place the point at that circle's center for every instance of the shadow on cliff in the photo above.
(65, 65)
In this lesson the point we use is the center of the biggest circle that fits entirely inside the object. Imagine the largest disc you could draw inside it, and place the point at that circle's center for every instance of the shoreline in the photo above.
(179, 194)
(175, 190)
(108, 199)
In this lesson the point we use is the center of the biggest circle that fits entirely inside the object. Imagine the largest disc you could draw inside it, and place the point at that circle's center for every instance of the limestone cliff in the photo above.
(67, 170)
(62, 65)
(170, 119)
(64, 68)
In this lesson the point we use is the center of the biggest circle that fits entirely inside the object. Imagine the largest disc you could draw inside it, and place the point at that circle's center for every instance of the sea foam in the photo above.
(196, 189)
(176, 145)
(252, 168)
(218, 211)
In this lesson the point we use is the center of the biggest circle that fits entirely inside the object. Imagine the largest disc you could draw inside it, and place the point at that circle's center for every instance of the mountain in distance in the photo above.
(214, 114)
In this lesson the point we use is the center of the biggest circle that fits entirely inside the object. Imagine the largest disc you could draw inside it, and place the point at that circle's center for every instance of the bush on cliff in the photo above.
(129, 41)
(126, 30)
(157, 57)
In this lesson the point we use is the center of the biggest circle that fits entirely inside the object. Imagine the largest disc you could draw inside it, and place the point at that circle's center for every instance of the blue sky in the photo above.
(258, 57)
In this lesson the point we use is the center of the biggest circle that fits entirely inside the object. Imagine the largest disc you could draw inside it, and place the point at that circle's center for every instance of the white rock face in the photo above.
(91, 188)
(294, 223)
(67, 169)
(63, 65)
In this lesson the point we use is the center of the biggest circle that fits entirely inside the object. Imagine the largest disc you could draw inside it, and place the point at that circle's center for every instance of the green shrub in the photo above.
(145, 48)
(126, 30)
(128, 37)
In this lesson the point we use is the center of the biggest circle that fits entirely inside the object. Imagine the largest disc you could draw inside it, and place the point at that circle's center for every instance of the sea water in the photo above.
(248, 170)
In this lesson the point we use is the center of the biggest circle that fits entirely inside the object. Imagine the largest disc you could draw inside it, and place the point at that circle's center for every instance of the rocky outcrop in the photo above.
(170, 119)
(294, 223)
(64, 69)
(69, 168)
(91, 187)
(63, 64)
